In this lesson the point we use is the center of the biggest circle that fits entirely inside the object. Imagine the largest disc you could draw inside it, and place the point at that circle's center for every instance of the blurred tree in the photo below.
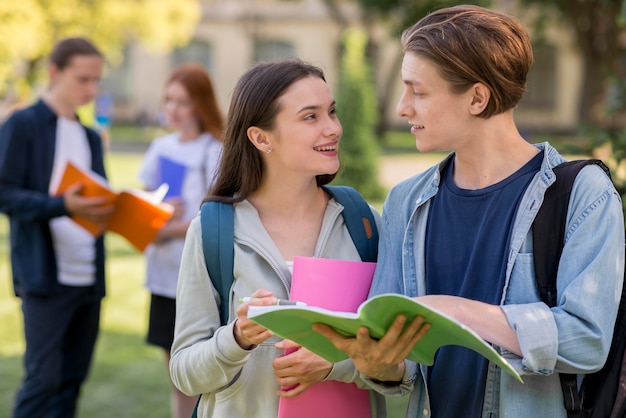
(30, 28)
(600, 36)
(404, 13)
(356, 107)
(600, 30)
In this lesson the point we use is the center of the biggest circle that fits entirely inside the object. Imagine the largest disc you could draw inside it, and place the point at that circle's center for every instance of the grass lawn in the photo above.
(128, 377)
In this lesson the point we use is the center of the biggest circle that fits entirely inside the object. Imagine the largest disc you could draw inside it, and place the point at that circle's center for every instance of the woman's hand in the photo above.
(382, 359)
(248, 333)
(298, 369)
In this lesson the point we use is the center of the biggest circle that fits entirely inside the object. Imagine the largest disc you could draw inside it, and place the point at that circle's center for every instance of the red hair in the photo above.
(197, 82)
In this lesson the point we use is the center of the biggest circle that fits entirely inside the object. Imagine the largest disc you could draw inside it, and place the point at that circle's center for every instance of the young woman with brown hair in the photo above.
(281, 145)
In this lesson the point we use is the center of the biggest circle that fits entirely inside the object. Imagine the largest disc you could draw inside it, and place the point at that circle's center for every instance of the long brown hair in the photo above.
(255, 102)
(198, 84)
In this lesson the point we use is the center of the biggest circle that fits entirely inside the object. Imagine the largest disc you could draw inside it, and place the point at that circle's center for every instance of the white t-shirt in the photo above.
(201, 158)
(73, 245)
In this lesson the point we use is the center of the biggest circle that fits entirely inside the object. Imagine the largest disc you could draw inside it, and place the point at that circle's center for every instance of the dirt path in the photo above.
(395, 168)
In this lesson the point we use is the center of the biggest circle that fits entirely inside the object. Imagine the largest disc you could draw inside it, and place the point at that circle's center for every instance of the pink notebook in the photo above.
(338, 285)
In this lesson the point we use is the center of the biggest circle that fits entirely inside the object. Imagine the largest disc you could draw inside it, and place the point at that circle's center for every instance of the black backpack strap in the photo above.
(549, 228)
(218, 229)
(548, 241)
(359, 220)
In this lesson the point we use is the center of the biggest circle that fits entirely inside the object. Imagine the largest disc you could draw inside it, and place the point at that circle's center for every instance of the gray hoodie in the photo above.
(206, 358)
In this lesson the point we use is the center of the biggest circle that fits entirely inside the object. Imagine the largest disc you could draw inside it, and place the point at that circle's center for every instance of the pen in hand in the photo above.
(282, 302)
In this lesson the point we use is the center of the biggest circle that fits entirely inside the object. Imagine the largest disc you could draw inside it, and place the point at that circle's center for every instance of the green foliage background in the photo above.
(356, 105)
(30, 28)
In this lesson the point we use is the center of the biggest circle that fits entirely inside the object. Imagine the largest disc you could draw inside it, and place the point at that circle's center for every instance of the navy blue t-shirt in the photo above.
(467, 242)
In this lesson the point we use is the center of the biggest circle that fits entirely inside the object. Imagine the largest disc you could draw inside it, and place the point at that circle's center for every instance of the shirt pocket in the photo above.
(522, 287)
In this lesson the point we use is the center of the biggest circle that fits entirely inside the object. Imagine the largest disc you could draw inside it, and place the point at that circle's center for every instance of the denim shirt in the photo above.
(572, 337)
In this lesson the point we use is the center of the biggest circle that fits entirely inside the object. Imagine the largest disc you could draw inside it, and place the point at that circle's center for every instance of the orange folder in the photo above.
(138, 215)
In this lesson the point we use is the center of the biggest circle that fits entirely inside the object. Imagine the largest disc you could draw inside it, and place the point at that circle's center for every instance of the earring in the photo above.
(268, 150)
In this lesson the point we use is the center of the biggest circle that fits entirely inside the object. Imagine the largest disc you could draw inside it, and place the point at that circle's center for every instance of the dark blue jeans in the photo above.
(60, 333)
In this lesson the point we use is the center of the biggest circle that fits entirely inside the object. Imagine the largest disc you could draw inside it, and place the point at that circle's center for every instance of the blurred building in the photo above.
(233, 34)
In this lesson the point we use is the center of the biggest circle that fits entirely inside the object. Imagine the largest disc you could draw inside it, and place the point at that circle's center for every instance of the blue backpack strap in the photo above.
(217, 220)
(218, 229)
(359, 220)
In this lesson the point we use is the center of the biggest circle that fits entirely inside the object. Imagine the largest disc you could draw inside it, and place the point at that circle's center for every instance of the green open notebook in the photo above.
(377, 314)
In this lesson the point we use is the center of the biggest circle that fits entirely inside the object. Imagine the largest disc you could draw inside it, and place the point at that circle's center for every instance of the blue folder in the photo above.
(172, 173)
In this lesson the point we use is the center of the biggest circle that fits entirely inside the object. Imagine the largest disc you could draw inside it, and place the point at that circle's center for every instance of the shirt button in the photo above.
(425, 412)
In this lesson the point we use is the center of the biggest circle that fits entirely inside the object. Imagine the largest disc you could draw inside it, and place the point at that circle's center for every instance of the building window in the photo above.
(196, 51)
(117, 80)
(270, 50)
(541, 80)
